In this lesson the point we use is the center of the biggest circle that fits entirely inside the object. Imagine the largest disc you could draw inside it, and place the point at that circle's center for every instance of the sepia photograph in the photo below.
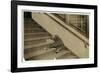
(50, 36)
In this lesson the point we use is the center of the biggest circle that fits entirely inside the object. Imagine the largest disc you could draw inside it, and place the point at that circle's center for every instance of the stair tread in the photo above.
(36, 53)
(62, 53)
(30, 29)
(38, 45)
(33, 49)
(31, 26)
(39, 33)
(68, 56)
(34, 42)
(51, 55)
(37, 38)
(34, 31)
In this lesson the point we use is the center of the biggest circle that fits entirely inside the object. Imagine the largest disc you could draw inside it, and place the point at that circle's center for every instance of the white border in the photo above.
(39, 63)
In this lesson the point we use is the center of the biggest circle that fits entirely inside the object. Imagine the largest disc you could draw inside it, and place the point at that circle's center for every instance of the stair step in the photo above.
(39, 33)
(36, 53)
(28, 50)
(38, 45)
(68, 56)
(46, 56)
(33, 31)
(37, 28)
(51, 55)
(31, 26)
(34, 42)
(62, 52)
(29, 21)
(37, 38)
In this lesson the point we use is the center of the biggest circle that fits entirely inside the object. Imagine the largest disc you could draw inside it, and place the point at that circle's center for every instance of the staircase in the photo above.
(37, 43)
(71, 38)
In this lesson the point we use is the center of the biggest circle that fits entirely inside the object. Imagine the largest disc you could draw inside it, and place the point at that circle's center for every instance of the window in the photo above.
(79, 22)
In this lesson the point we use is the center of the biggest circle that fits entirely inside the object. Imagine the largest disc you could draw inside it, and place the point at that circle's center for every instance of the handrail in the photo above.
(78, 29)
(73, 31)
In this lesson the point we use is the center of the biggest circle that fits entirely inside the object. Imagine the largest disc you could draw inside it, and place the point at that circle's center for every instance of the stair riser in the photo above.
(30, 57)
(30, 50)
(30, 27)
(45, 56)
(46, 45)
(34, 42)
(31, 38)
(38, 28)
(32, 31)
(68, 56)
(35, 36)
